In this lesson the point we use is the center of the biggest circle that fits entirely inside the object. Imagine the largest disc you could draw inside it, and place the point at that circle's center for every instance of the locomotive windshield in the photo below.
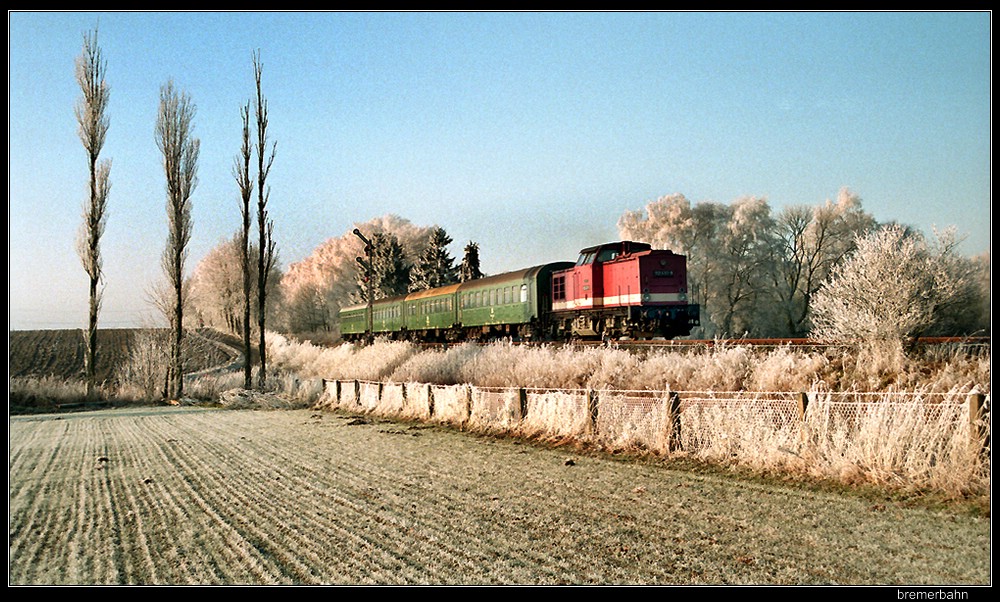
(607, 255)
(586, 258)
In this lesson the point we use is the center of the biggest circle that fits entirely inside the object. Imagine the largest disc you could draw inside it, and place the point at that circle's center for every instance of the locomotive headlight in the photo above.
(646, 297)
(683, 297)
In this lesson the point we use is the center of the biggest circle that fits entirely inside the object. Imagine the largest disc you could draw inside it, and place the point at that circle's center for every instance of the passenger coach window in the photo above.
(524, 293)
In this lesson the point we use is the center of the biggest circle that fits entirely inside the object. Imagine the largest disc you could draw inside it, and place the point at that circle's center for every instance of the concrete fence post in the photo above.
(430, 401)
(592, 411)
(673, 422)
(803, 407)
(468, 404)
(803, 399)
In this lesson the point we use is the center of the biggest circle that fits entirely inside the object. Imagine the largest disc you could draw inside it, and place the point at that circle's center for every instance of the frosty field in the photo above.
(202, 496)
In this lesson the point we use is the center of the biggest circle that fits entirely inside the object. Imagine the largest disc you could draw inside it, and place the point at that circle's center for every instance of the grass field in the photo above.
(201, 496)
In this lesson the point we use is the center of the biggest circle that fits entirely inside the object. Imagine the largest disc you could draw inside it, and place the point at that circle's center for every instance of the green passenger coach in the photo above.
(387, 318)
(353, 321)
(432, 312)
(511, 304)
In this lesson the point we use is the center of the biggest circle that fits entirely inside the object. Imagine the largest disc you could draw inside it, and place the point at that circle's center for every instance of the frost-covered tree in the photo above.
(751, 272)
(894, 287)
(266, 253)
(93, 120)
(216, 288)
(174, 137)
(469, 270)
(315, 288)
(743, 260)
(727, 247)
(435, 266)
(241, 173)
(810, 241)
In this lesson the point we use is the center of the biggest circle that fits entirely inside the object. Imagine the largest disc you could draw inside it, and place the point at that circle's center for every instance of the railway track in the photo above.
(797, 343)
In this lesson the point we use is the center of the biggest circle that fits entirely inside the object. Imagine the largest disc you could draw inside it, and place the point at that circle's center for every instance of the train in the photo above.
(616, 290)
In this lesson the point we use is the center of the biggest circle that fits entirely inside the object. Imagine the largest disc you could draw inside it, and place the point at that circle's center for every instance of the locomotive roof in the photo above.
(629, 246)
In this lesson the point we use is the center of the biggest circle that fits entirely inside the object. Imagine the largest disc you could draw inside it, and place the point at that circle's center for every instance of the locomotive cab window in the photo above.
(607, 255)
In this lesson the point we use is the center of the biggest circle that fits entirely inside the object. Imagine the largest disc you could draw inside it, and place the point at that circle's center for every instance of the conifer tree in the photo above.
(435, 267)
(470, 263)
(390, 268)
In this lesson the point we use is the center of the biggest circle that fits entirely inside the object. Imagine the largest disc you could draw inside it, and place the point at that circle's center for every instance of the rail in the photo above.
(686, 344)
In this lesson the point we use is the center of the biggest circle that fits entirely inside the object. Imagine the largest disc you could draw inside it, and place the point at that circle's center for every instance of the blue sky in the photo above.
(529, 133)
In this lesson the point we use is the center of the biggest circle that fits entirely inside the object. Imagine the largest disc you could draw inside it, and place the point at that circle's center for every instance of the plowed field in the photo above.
(60, 353)
(198, 496)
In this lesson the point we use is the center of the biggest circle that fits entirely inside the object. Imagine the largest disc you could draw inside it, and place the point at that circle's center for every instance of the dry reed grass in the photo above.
(917, 439)
(723, 367)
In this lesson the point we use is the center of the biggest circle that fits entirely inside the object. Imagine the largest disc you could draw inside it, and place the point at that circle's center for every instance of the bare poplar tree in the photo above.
(266, 247)
(90, 114)
(174, 130)
(241, 171)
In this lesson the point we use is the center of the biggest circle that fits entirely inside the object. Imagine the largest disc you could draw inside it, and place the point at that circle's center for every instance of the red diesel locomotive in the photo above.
(623, 289)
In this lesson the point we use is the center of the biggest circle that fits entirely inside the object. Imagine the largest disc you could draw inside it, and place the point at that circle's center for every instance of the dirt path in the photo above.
(195, 496)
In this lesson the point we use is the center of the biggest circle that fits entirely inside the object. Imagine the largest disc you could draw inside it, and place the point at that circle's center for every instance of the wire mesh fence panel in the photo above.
(556, 413)
(330, 397)
(495, 409)
(368, 395)
(391, 400)
(916, 439)
(348, 399)
(451, 404)
(726, 426)
(417, 402)
(632, 419)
